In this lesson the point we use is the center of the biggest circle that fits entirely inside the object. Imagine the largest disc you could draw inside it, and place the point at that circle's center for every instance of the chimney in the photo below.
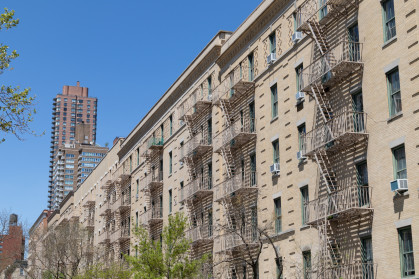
(78, 83)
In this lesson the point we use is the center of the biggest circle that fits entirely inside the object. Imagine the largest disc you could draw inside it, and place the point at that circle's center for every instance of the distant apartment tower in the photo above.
(73, 121)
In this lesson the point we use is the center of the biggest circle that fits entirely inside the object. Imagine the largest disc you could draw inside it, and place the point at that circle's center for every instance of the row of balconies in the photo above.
(239, 81)
(236, 240)
(200, 234)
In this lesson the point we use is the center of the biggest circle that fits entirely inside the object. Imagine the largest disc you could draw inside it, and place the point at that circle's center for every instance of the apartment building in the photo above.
(12, 243)
(73, 121)
(302, 123)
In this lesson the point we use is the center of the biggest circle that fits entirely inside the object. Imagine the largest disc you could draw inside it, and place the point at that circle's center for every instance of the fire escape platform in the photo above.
(339, 133)
(340, 205)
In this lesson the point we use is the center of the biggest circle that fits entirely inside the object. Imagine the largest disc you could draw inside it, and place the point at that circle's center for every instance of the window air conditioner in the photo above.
(300, 155)
(297, 36)
(271, 58)
(399, 185)
(299, 96)
(275, 168)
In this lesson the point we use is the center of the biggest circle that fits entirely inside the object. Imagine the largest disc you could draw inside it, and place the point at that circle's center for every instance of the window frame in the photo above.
(395, 161)
(305, 198)
(400, 232)
(275, 151)
(278, 215)
(386, 21)
(391, 103)
(272, 42)
(274, 101)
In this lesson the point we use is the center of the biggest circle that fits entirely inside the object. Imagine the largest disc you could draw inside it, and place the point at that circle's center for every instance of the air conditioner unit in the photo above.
(275, 168)
(297, 36)
(399, 185)
(300, 155)
(136, 196)
(299, 96)
(271, 58)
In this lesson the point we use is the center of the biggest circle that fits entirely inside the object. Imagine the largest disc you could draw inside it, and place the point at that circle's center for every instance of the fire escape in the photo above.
(196, 154)
(240, 181)
(334, 61)
(152, 183)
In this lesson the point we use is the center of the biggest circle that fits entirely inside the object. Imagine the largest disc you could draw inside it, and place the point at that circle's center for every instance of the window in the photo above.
(304, 204)
(209, 128)
(323, 9)
(275, 148)
(394, 95)
(362, 181)
(278, 215)
(138, 156)
(389, 20)
(279, 268)
(170, 201)
(170, 162)
(130, 163)
(274, 98)
(307, 264)
(209, 81)
(254, 222)
(181, 153)
(362, 174)
(399, 163)
(272, 42)
(138, 187)
(170, 125)
(406, 252)
(298, 72)
(136, 219)
(367, 258)
(251, 61)
(301, 135)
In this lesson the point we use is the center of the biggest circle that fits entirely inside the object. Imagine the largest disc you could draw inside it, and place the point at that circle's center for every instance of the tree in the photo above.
(62, 252)
(246, 239)
(99, 270)
(169, 258)
(16, 106)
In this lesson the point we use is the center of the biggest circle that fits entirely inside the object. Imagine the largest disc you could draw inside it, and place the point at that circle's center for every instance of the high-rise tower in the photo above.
(73, 122)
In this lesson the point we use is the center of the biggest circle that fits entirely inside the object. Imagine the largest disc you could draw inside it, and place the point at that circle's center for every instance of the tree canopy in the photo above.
(16, 106)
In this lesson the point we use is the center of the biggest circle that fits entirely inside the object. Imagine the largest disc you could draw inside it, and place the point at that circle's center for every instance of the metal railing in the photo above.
(343, 201)
(357, 270)
(155, 142)
(239, 80)
(154, 178)
(201, 183)
(348, 122)
(200, 139)
(316, 10)
(188, 107)
(246, 180)
(239, 127)
(155, 213)
(235, 240)
(200, 233)
(322, 71)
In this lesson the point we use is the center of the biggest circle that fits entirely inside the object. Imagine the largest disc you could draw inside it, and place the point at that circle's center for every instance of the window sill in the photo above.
(304, 227)
(389, 42)
(274, 119)
(394, 117)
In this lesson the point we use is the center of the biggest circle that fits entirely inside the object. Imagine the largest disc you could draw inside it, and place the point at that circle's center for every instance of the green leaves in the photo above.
(16, 107)
(167, 259)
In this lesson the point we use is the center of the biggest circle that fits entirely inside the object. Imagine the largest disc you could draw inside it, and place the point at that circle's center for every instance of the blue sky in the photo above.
(127, 52)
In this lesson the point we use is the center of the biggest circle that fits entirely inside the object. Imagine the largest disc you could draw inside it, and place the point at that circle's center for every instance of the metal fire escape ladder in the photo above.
(330, 248)
(326, 171)
(322, 102)
(318, 36)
